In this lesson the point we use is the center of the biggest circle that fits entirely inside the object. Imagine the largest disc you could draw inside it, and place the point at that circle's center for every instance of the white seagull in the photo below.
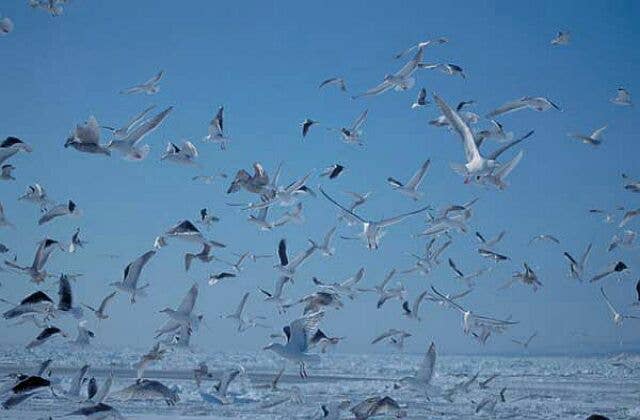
(12, 145)
(622, 98)
(593, 139)
(100, 312)
(618, 318)
(132, 271)
(86, 138)
(68, 208)
(410, 189)
(184, 156)
(563, 38)
(149, 87)
(128, 144)
(538, 103)
(216, 130)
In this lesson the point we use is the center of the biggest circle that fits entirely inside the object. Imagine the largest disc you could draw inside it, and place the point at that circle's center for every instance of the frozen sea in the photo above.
(537, 387)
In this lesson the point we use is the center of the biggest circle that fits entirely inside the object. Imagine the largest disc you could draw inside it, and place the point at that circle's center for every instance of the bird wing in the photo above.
(470, 149)
(376, 90)
(427, 367)
(418, 301)
(189, 301)
(504, 170)
(606, 299)
(598, 133)
(155, 79)
(189, 149)
(342, 207)
(282, 253)
(416, 179)
(496, 153)
(88, 133)
(105, 301)
(585, 256)
(328, 236)
(302, 329)
(65, 297)
(56, 211)
(133, 270)
(147, 127)
(242, 304)
(507, 108)
(357, 124)
(397, 219)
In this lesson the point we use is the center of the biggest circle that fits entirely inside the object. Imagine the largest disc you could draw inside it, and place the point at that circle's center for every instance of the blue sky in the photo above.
(263, 61)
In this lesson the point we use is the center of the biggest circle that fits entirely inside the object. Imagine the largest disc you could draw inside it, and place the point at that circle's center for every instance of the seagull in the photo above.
(626, 239)
(394, 336)
(421, 100)
(12, 145)
(3, 218)
(325, 247)
(294, 216)
(128, 144)
(37, 195)
(24, 388)
(257, 183)
(150, 87)
(299, 334)
(468, 279)
(358, 200)
(497, 177)
(618, 318)
(187, 231)
(317, 301)
(628, 216)
(183, 156)
(244, 322)
(76, 242)
(544, 237)
(65, 298)
(577, 268)
(525, 343)
(375, 406)
(496, 132)
(401, 80)
(372, 231)
(122, 132)
(36, 303)
(6, 26)
(100, 312)
(132, 271)
(57, 211)
(203, 256)
(84, 335)
(36, 270)
(152, 355)
(208, 179)
(526, 277)
(6, 175)
(333, 171)
(384, 293)
(333, 410)
(287, 266)
(562, 38)
(476, 165)
(437, 41)
(216, 130)
(410, 189)
(215, 278)
(632, 185)
(86, 138)
(283, 196)
(276, 295)
(441, 302)
(306, 125)
(593, 139)
(219, 396)
(487, 253)
(539, 104)
(448, 68)
(413, 312)
(44, 336)
(622, 98)
(146, 389)
(422, 378)
(471, 320)
(345, 287)
(337, 81)
(463, 386)
(617, 267)
(351, 135)
(183, 316)
(490, 243)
